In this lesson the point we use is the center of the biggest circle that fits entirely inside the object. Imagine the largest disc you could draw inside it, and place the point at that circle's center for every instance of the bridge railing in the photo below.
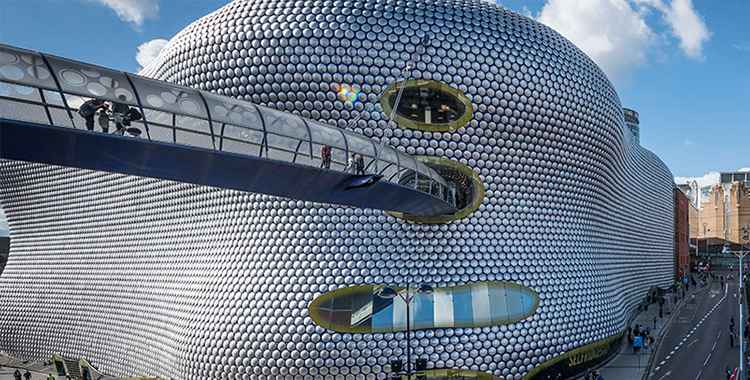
(46, 89)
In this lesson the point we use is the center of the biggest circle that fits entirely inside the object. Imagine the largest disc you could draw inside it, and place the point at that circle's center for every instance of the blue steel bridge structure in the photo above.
(198, 137)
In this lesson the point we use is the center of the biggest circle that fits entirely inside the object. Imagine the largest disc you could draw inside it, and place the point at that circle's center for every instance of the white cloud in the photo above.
(685, 23)
(710, 178)
(611, 32)
(743, 170)
(688, 142)
(526, 12)
(148, 51)
(616, 34)
(133, 11)
(741, 46)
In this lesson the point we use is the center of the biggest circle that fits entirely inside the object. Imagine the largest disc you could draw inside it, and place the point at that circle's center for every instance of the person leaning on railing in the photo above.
(88, 110)
(119, 113)
(104, 118)
(123, 115)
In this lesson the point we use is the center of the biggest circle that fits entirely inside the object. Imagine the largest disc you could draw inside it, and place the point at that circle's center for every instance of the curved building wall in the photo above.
(145, 276)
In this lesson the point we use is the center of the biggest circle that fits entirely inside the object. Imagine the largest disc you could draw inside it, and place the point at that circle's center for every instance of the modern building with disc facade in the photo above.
(562, 220)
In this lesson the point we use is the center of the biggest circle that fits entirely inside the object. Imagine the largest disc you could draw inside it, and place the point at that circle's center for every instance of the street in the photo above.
(697, 345)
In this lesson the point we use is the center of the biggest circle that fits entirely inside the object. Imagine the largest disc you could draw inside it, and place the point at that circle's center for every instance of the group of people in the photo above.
(104, 111)
(733, 332)
(17, 375)
(640, 337)
(355, 164)
(594, 375)
(27, 375)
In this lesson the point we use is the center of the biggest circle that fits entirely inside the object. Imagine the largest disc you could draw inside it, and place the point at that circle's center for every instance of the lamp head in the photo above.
(387, 293)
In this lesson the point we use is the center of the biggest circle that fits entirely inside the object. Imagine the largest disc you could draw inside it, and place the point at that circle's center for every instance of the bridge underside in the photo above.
(31, 142)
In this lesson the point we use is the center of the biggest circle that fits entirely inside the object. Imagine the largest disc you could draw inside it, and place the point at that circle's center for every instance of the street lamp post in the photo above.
(407, 296)
(741, 255)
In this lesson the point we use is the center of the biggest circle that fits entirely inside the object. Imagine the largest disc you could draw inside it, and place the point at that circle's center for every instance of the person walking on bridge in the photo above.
(359, 165)
(325, 156)
(350, 163)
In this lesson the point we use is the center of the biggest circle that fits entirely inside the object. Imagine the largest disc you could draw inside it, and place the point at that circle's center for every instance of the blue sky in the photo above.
(683, 64)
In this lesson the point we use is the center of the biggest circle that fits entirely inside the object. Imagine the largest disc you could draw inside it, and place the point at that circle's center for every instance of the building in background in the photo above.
(632, 121)
(737, 176)
(723, 214)
(681, 233)
(719, 214)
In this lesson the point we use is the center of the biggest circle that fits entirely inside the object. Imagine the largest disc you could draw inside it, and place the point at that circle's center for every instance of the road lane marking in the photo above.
(688, 335)
(665, 375)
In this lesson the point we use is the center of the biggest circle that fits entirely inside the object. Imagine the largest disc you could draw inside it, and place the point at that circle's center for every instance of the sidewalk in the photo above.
(627, 365)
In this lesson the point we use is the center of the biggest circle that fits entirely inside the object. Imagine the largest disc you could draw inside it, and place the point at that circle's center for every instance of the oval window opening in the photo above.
(364, 308)
(468, 188)
(426, 105)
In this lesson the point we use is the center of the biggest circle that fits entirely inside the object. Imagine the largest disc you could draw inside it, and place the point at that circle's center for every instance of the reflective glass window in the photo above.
(360, 309)
(92, 81)
(226, 110)
(423, 311)
(170, 98)
(382, 318)
(463, 310)
(26, 67)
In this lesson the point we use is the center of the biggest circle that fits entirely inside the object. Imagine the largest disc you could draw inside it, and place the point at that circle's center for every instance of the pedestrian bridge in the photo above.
(202, 138)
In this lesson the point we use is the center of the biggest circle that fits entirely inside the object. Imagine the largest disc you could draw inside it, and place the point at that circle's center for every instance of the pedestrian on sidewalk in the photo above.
(637, 344)
(630, 335)
(598, 376)
(17, 375)
(27, 375)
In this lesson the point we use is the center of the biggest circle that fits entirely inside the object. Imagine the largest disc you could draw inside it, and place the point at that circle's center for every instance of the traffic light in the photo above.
(420, 364)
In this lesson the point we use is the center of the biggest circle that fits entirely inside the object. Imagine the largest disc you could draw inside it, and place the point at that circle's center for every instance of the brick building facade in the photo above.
(724, 214)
